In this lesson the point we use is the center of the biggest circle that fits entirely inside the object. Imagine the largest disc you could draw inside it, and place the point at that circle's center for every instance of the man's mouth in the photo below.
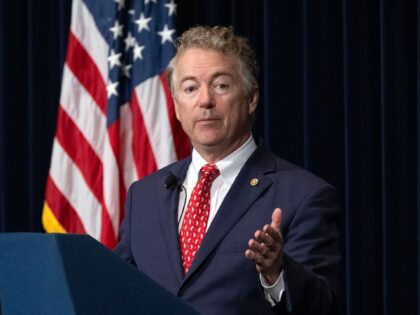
(207, 120)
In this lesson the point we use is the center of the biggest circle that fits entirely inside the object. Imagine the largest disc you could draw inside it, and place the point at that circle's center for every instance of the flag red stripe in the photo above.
(107, 233)
(89, 164)
(181, 140)
(123, 194)
(80, 151)
(114, 138)
(114, 132)
(63, 211)
(142, 149)
(86, 71)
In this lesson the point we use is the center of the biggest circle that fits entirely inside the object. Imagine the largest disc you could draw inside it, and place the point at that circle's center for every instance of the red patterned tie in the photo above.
(194, 224)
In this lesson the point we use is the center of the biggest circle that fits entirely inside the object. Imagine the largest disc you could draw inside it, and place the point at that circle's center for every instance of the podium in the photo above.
(75, 274)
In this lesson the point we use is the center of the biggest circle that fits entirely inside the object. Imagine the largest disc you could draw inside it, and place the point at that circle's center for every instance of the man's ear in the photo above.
(253, 100)
(176, 106)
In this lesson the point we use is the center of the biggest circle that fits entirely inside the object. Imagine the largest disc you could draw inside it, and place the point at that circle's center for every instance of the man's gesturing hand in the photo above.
(266, 249)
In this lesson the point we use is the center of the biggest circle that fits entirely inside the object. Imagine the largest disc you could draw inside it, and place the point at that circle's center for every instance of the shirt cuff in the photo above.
(273, 293)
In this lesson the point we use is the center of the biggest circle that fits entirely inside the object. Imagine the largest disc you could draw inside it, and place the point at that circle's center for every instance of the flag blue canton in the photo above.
(140, 37)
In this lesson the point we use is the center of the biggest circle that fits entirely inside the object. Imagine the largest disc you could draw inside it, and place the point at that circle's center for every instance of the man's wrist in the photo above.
(272, 277)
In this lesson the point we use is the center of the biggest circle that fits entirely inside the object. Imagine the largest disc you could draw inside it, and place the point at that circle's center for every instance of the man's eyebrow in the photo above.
(220, 73)
(215, 75)
(189, 77)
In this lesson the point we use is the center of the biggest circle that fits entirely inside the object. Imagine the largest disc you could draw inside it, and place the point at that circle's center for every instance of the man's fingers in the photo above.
(275, 235)
(264, 237)
(257, 258)
(258, 248)
(250, 254)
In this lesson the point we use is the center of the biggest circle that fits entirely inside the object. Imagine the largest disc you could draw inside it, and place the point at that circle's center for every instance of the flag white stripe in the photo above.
(91, 122)
(129, 170)
(83, 110)
(69, 180)
(92, 40)
(152, 101)
(111, 185)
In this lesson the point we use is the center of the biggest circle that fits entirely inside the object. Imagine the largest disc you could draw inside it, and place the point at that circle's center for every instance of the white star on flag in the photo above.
(172, 7)
(117, 29)
(114, 59)
(143, 23)
(138, 52)
(166, 34)
(121, 4)
(126, 70)
(130, 41)
(111, 89)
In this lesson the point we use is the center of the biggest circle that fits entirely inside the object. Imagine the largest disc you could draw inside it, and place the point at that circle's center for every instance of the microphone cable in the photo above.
(172, 181)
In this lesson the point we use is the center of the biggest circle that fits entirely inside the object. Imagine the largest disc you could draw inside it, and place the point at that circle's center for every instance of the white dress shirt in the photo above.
(229, 168)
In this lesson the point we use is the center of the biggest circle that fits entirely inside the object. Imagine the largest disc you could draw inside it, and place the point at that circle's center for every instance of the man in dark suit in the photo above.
(233, 229)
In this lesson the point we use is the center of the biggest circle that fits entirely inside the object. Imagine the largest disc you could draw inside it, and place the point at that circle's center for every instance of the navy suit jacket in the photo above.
(221, 280)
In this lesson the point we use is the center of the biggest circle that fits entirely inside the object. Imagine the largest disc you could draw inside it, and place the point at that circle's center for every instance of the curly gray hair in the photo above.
(221, 39)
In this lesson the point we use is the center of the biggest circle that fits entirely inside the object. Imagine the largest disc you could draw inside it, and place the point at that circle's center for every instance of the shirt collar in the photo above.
(229, 166)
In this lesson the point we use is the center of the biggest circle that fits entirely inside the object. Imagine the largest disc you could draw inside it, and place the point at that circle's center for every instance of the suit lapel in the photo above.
(169, 218)
(239, 199)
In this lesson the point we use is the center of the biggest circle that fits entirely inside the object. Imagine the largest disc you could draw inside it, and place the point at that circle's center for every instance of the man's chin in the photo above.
(208, 142)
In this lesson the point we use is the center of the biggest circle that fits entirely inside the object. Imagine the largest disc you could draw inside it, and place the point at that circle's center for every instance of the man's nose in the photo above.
(206, 98)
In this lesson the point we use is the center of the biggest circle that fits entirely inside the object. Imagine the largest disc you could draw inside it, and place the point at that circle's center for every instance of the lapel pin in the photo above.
(254, 182)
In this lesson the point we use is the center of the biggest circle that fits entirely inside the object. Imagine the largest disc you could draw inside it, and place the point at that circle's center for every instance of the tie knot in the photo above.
(209, 172)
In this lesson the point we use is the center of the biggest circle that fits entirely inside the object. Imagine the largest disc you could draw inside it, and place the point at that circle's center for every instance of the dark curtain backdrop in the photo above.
(339, 96)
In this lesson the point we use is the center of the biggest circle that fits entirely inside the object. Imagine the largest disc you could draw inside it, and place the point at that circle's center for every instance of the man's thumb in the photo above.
(276, 219)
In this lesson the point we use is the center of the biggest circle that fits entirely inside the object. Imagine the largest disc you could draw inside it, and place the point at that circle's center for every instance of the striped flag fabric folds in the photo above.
(116, 121)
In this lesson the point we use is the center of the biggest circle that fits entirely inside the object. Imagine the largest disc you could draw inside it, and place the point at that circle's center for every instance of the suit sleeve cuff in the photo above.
(273, 293)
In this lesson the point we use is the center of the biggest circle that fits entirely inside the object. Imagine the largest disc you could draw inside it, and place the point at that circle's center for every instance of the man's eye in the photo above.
(189, 89)
(222, 86)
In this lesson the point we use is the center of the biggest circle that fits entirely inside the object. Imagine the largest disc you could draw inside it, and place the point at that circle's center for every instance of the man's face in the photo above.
(210, 101)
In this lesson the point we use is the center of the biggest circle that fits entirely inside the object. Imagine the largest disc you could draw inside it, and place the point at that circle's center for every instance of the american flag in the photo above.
(116, 120)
